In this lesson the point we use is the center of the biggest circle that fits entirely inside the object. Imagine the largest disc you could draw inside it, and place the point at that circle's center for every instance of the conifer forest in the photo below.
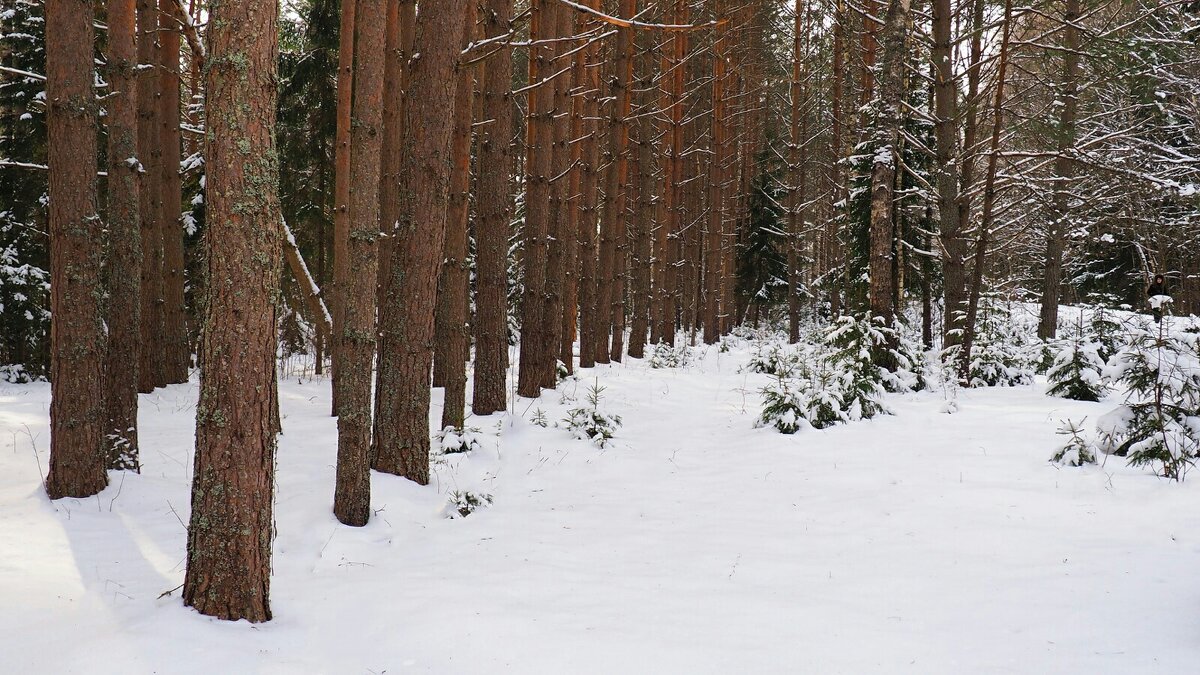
(599, 336)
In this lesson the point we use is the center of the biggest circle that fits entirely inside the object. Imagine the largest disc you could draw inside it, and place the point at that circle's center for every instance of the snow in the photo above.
(692, 543)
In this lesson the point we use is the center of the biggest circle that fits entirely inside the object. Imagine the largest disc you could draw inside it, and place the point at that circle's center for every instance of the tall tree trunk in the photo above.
(494, 210)
(797, 169)
(341, 181)
(124, 242)
(77, 341)
(989, 196)
(667, 241)
(355, 341)
(888, 120)
(610, 286)
(713, 257)
(575, 251)
(558, 264)
(589, 181)
(643, 228)
(832, 235)
(229, 536)
(1063, 172)
(453, 346)
(151, 365)
(953, 244)
(177, 353)
(406, 324)
(531, 376)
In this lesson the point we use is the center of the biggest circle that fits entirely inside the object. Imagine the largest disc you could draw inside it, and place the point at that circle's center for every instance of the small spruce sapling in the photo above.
(452, 440)
(1076, 373)
(1078, 450)
(589, 423)
(463, 503)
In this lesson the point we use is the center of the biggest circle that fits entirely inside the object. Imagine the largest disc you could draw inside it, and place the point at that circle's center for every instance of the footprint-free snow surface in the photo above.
(923, 542)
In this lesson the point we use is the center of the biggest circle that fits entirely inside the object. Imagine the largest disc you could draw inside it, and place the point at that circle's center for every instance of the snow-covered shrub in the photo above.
(1078, 450)
(1105, 331)
(1159, 423)
(452, 440)
(560, 371)
(663, 355)
(1076, 373)
(912, 368)
(463, 503)
(539, 418)
(1003, 354)
(783, 407)
(589, 423)
(773, 358)
(852, 341)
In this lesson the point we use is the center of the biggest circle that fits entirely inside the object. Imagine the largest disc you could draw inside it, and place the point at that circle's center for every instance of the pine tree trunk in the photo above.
(229, 536)
(177, 352)
(643, 227)
(356, 339)
(531, 375)
(1063, 172)
(558, 264)
(610, 284)
(453, 345)
(406, 322)
(124, 242)
(953, 245)
(888, 120)
(341, 183)
(494, 211)
(151, 369)
(77, 340)
(713, 255)
(796, 172)
(667, 243)
(589, 181)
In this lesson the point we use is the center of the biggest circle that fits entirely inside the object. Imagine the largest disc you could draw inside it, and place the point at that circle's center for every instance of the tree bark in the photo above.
(888, 120)
(953, 244)
(406, 324)
(494, 212)
(355, 341)
(609, 284)
(559, 265)
(713, 255)
(531, 374)
(229, 536)
(177, 352)
(589, 181)
(77, 341)
(341, 182)
(151, 369)
(124, 242)
(453, 346)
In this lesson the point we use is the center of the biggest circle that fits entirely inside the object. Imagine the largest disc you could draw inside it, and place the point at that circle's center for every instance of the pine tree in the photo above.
(356, 340)
(124, 255)
(77, 339)
(492, 230)
(406, 326)
(231, 527)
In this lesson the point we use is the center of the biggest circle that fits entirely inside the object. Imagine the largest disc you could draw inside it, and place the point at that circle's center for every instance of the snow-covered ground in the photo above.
(695, 543)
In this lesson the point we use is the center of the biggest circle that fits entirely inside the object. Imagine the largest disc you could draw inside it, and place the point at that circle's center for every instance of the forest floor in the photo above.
(923, 542)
